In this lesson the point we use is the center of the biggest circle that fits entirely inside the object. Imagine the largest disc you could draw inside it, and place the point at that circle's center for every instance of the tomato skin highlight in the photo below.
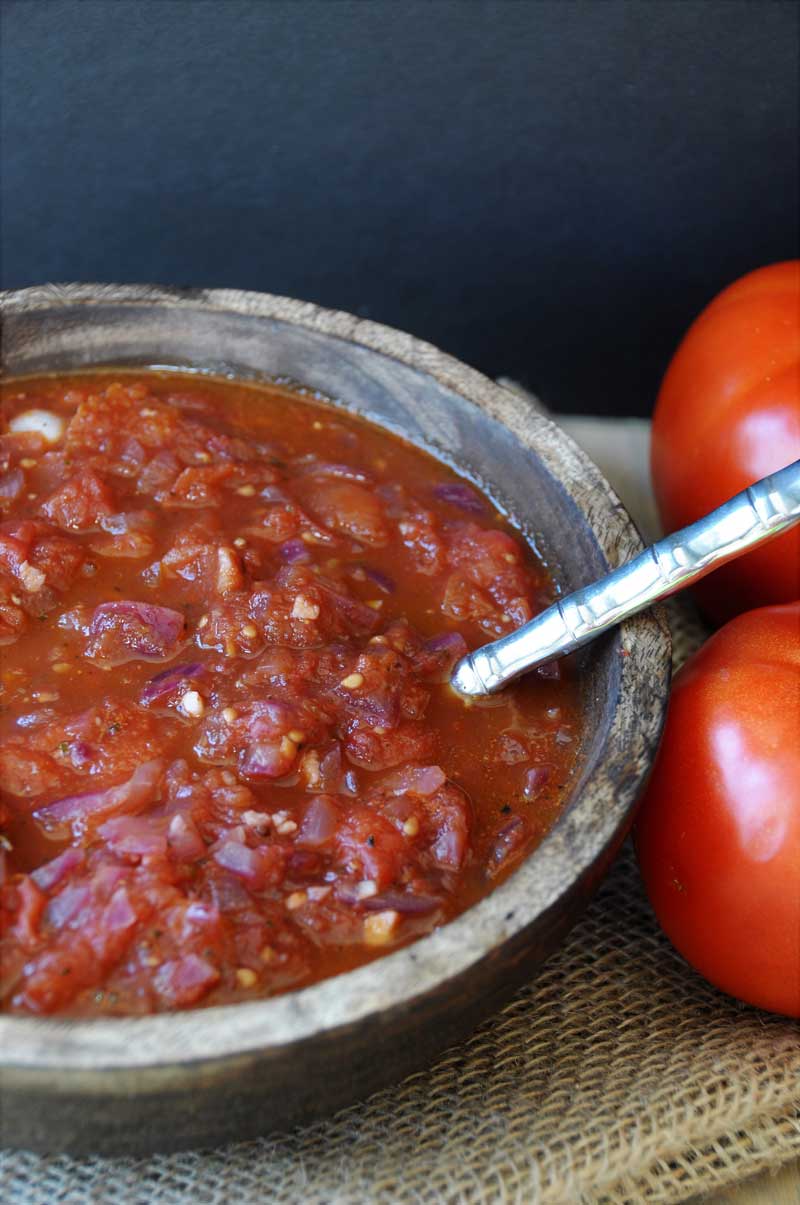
(718, 833)
(727, 413)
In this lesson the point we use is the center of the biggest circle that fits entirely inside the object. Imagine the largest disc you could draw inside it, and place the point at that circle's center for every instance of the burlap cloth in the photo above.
(616, 1076)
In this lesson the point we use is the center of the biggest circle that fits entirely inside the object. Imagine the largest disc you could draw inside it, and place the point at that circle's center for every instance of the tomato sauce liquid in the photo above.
(230, 759)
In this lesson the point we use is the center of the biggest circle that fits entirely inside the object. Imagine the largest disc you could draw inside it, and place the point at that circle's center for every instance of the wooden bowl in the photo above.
(230, 1072)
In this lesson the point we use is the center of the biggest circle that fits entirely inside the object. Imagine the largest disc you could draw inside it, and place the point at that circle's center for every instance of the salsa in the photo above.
(230, 760)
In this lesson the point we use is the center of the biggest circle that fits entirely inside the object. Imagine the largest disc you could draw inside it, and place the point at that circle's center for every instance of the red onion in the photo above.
(323, 468)
(12, 484)
(301, 863)
(404, 902)
(125, 521)
(509, 839)
(185, 980)
(81, 754)
(535, 780)
(274, 493)
(50, 875)
(122, 631)
(265, 759)
(162, 685)
(228, 893)
(249, 864)
(512, 748)
(293, 551)
(332, 777)
(119, 914)
(458, 493)
(380, 709)
(449, 848)
(130, 797)
(438, 655)
(106, 878)
(198, 917)
(550, 669)
(184, 840)
(381, 580)
(68, 904)
(415, 780)
(134, 835)
(269, 718)
(319, 823)
(357, 616)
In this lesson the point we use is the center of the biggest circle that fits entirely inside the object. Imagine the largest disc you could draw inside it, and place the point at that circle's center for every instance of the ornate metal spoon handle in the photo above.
(759, 513)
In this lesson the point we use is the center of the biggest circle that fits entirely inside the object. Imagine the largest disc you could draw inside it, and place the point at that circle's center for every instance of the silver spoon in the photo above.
(759, 513)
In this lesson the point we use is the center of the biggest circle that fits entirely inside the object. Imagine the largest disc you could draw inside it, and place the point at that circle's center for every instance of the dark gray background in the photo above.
(549, 190)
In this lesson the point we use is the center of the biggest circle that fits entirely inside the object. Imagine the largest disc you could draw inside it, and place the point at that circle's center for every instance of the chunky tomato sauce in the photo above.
(230, 761)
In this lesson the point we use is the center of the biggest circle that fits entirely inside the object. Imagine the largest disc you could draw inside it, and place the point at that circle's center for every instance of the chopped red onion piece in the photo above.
(50, 875)
(134, 835)
(125, 521)
(12, 484)
(265, 759)
(439, 654)
(301, 863)
(120, 914)
(319, 823)
(184, 840)
(322, 468)
(68, 904)
(106, 878)
(381, 580)
(449, 848)
(122, 631)
(183, 981)
(509, 839)
(404, 902)
(458, 493)
(228, 893)
(358, 617)
(130, 797)
(535, 780)
(415, 780)
(293, 551)
(274, 493)
(248, 863)
(164, 683)
(330, 771)
(81, 753)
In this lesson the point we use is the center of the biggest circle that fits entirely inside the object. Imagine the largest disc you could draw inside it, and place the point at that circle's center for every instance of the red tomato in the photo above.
(728, 413)
(718, 836)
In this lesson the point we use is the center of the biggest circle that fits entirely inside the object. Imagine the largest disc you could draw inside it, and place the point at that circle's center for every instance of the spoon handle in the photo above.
(759, 513)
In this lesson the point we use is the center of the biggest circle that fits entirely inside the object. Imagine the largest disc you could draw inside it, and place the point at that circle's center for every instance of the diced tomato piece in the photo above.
(347, 509)
(38, 556)
(408, 742)
(125, 630)
(80, 502)
(369, 846)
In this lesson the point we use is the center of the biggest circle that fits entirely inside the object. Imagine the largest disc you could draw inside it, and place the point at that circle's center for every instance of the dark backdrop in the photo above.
(549, 190)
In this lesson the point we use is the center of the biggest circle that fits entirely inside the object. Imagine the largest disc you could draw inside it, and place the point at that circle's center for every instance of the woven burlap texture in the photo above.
(617, 1076)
